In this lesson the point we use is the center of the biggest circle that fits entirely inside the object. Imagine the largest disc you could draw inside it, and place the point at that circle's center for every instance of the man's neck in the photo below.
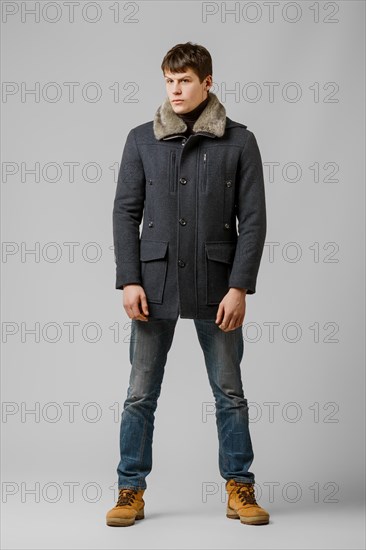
(191, 117)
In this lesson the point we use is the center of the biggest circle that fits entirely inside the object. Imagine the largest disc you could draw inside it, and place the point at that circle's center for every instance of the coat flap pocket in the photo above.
(152, 250)
(221, 251)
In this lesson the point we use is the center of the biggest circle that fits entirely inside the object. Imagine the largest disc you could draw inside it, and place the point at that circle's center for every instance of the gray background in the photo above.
(311, 450)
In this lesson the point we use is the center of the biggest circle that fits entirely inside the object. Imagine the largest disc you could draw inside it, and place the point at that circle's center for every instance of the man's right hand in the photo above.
(134, 302)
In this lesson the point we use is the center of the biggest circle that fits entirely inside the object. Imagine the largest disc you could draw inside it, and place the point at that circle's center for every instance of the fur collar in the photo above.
(211, 121)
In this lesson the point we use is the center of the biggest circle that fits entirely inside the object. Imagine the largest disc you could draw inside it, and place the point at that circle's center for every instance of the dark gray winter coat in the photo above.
(201, 201)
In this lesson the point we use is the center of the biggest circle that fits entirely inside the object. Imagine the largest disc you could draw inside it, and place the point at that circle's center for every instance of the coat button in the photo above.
(151, 224)
(181, 263)
(183, 181)
(184, 141)
(228, 184)
(227, 226)
(182, 221)
(150, 182)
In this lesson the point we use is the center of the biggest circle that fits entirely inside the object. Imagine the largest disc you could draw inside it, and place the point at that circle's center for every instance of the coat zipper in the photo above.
(204, 175)
(173, 175)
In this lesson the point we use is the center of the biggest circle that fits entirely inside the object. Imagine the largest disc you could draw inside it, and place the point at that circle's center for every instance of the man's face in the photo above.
(187, 88)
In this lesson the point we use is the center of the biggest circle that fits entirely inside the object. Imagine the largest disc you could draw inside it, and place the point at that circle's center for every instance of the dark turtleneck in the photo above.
(191, 117)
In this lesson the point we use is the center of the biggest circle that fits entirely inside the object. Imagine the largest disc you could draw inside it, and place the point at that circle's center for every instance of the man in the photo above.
(188, 174)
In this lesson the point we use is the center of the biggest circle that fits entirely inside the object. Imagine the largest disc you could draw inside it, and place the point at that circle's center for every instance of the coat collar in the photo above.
(211, 122)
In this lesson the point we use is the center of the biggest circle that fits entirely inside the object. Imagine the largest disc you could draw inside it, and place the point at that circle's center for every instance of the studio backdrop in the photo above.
(76, 77)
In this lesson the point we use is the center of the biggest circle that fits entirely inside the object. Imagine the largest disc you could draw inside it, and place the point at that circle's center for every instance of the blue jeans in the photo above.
(149, 346)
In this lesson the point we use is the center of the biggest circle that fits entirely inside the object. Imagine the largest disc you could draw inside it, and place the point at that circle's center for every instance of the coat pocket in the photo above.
(173, 172)
(203, 175)
(219, 260)
(154, 263)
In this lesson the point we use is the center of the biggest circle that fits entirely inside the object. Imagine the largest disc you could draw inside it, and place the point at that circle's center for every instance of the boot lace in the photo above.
(126, 497)
(245, 492)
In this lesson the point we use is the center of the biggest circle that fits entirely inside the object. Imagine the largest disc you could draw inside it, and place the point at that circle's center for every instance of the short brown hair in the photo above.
(182, 56)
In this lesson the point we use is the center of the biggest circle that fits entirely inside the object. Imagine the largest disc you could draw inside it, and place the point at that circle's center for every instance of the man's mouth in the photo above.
(177, 100)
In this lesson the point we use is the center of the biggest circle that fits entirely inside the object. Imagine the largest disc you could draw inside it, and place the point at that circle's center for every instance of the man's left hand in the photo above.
(231, 311)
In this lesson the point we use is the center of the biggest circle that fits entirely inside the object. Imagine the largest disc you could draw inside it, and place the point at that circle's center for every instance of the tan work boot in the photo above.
(242, 504)
(130, 506)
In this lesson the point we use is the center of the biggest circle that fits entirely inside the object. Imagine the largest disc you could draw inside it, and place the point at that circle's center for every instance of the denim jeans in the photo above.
(149, 346)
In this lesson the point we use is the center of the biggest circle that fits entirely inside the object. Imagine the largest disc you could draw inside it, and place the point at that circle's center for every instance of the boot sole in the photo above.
(124, 522)
(255, 520)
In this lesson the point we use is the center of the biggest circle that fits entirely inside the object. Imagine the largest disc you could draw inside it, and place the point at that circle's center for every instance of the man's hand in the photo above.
(134, 302)
(231, 311)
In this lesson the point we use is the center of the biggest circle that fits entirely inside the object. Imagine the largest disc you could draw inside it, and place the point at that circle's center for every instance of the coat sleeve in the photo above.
(251, 214)
(127, 214)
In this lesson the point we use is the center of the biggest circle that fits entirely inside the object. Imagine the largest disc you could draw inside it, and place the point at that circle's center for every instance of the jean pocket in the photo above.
(154, 263)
